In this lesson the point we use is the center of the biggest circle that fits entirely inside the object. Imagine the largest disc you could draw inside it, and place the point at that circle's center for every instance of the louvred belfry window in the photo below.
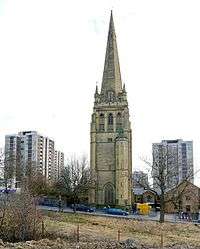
(110, 122)
(119, 121)
(101, 122)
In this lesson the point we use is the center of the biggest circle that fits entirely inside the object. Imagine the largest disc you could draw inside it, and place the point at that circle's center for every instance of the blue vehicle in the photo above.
(116, 211)
(84, 208)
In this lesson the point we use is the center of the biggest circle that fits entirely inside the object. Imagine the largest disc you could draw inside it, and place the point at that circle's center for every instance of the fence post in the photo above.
(42, 229)
(118, 235)
(77, 234)
(161, 238)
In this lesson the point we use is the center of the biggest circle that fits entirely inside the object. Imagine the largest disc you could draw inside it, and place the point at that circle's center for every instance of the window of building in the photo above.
(101, 122)
(119, 121)
(109, 194)
(109, 139)
(110, 122)
(110, 119)
(149, 198)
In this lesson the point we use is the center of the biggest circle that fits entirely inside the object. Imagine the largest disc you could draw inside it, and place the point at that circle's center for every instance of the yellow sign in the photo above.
(143, 208)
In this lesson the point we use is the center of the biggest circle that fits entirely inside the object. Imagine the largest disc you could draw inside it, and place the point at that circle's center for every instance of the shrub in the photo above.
(19, 218)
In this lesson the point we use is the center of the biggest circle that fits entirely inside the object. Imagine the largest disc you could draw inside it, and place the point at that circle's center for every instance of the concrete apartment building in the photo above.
(1, 163)
(58, 162)
(179, 161)
(13, 168)
(29, 152)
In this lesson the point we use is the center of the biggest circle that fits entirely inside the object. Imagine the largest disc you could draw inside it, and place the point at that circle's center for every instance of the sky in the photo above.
(52, 55)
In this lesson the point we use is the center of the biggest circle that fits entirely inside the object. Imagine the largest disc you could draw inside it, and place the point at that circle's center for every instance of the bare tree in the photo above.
(75, 178)
(165, 178)
(6, 167)
(12, 168)
(36, 184)
(140, 180)
(1, 161)
(16, 171)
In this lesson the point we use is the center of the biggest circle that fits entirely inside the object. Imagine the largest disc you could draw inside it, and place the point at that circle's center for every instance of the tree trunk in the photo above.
(162, 215)
(162, 207)
(74, 203)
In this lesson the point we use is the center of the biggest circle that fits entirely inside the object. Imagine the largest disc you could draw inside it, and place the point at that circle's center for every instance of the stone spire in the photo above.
(111, 76)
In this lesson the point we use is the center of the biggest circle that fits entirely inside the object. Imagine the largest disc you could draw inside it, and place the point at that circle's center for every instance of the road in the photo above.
(152, 217)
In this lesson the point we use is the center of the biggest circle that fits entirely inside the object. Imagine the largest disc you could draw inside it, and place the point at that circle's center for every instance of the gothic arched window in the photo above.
(109, 194)
(119, 121)
(110, 122)
(101, 122)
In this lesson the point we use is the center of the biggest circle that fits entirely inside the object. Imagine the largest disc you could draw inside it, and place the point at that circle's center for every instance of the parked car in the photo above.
(50, 202)
(84, 208)
(116, 211)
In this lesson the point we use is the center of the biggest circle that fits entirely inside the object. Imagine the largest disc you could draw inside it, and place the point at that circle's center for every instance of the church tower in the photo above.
(110, 135)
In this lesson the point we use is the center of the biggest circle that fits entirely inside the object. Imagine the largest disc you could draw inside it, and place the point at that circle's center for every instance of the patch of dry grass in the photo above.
(145, 232)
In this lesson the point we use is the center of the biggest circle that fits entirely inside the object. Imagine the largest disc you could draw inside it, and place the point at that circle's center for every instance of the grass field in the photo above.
(94, 228)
